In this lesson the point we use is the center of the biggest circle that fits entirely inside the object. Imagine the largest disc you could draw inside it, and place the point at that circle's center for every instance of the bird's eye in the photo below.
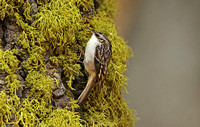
(101, 40)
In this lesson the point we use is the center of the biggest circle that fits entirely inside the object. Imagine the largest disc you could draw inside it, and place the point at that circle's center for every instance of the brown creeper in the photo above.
(98, 53)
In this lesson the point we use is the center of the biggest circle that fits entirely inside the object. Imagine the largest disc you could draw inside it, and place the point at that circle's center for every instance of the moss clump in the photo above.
(7, 108)
(41, 85)
(56, 29)
(31, 111)
(64, 118)
(9, 7)
(8, 61)
(58, 22)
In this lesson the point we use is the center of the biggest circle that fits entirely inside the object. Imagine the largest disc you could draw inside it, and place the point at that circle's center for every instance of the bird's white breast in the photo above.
(90, 51)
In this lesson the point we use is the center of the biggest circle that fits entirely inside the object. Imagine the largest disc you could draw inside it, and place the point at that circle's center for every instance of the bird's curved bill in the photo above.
(90, 29)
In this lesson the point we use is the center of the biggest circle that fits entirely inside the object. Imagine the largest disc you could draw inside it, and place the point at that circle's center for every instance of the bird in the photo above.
(97, 56)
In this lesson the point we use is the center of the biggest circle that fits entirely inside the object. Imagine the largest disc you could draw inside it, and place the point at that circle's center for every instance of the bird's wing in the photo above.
(101, 60)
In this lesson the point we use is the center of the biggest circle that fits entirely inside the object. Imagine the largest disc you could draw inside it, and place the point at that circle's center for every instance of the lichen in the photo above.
(57, 28)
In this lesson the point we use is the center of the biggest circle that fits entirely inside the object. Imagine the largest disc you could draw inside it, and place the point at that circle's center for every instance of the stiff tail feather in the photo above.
(91, 82)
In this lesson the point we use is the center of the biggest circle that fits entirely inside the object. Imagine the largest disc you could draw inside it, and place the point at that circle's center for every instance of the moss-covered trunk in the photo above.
(40, 76)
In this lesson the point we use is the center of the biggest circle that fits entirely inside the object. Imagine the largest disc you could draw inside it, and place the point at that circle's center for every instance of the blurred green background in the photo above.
(164, 75)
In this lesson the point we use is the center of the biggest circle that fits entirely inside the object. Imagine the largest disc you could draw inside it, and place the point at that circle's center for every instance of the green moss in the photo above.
(59, 21)
(9, 7)
(68, 62)
(41, 85)
(32, 111)
(108, 8)
(35, 62)
(8, 61)
(63, 118)
(26, 8)
(7, 107)
(57, 27)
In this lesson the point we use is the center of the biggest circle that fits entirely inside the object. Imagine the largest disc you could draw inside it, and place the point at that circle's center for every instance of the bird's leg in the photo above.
(81, 53)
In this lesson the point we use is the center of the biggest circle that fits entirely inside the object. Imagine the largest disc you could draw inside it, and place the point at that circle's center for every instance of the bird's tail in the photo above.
(91, 82)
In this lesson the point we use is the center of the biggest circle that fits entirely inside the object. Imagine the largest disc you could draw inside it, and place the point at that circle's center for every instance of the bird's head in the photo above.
(101, 37)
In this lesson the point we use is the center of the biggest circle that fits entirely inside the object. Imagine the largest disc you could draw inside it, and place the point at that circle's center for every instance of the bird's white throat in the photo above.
(90, 49)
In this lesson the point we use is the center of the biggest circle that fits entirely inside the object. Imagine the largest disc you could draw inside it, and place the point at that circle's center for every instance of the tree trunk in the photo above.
(40, 76)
